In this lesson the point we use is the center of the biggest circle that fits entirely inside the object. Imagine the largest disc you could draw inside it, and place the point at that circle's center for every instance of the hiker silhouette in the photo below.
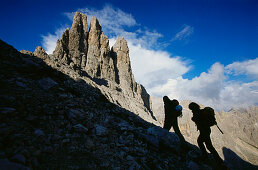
(203, 125)
(172, 111)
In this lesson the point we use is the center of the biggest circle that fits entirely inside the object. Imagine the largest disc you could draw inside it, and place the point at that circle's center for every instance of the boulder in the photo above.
(47, 83)
(193, 166)
(5, 164)
(7, 110)
(39, 132)
(19, 158)
(40, 52)
(100, 130)
(80, 128)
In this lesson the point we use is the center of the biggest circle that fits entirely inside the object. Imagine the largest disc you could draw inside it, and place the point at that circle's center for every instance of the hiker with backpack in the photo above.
(172, 111)
(204, 119)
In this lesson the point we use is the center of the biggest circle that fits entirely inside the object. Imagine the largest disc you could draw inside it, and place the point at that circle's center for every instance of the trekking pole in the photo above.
(219, 129)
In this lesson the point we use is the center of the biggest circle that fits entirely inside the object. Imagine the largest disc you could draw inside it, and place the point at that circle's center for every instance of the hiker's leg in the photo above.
(200, 142)
(177, 130)
(167, 125)
(165, 122)
(212, 149)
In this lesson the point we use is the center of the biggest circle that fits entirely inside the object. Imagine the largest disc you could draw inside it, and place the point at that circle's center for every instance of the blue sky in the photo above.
(209, 43)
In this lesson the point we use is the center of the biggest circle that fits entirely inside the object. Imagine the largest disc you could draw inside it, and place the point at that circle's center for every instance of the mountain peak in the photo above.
(121, 45)
(79, 22)
(94, 24)
(87, 51)
(40, 52)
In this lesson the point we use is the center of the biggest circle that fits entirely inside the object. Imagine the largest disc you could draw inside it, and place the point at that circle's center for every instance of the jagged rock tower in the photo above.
(88, 52)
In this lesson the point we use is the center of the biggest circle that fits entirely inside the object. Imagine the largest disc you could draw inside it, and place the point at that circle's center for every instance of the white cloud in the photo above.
(152, 68)
(184, 33)
(205, 87)
(249, 67)
(49, 40)
(111, 17)
(211, 89)
(238, 94)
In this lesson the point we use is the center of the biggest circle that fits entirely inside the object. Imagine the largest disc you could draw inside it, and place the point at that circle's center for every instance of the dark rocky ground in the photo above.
(51, 121)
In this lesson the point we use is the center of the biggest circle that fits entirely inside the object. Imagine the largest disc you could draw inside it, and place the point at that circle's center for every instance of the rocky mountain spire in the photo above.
(107, 66)
(72, 47)
(78, 45)
(62, 51)
(88, 51)
(40, 52)
(121, 57)
(93, 55)
(99, 63)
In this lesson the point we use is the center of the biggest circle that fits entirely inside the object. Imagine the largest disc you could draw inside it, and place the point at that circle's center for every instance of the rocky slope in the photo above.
(239, 127)
(50, 120)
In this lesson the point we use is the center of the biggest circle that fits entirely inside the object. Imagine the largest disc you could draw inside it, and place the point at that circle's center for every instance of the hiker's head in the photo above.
(166, 99)
(174, 102)
(193, 106)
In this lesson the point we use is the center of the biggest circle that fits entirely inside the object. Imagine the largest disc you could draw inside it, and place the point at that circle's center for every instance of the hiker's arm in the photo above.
(215, 122)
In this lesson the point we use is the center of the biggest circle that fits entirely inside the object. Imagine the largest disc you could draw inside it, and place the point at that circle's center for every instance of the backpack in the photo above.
(174, 108)
(205, 117)
(208, 116)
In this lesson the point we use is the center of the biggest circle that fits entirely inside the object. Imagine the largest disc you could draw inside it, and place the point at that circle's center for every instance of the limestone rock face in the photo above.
(85, 50)
(99, 63)
(72, 46)
(40, 52)
(26, 52)
(78, 33)
(93, 55)
(124, 74)
(145, 97)
(62, 51)
(107, 63)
